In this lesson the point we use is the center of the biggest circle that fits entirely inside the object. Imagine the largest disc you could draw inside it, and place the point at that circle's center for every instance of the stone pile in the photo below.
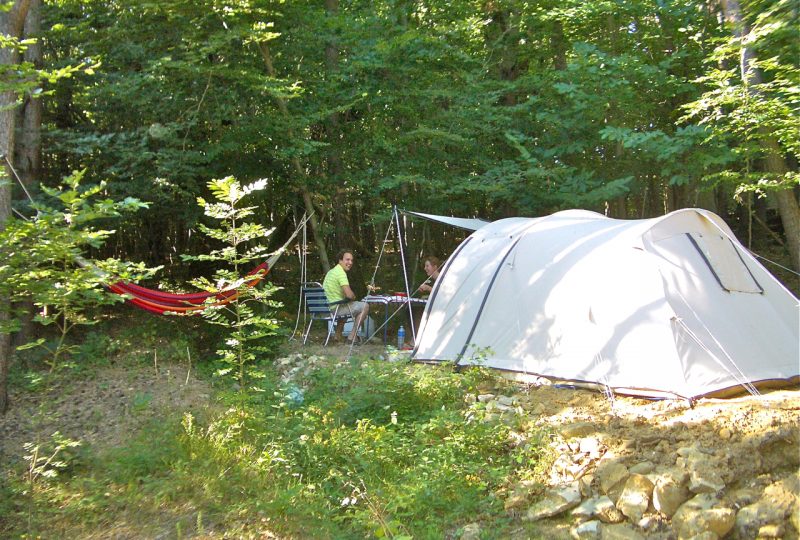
(688, 493)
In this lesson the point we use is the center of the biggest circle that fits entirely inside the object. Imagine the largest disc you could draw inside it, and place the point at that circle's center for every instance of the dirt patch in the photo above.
(101, 408)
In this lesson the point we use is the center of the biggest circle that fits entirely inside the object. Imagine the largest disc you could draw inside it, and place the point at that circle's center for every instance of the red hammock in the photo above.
(187, 303)
(193, 303)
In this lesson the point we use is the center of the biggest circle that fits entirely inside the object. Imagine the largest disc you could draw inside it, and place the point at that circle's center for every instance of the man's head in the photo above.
(345, 258)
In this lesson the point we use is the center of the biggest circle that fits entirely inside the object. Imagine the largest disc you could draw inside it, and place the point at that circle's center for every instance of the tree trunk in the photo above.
(774, 162)
(558, 42)
(502, 36)
(11, 24)
(28, 153)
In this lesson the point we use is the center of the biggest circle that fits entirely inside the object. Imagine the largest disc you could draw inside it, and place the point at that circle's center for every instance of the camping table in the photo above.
(390, 299)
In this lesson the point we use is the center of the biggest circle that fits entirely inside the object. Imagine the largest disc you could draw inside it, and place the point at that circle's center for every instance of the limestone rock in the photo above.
(754, 516)
(470, 532)
(611, 476)
(577, 430)
(783, 494)
(521, 495)
(555, 502)
(585, 484)
(705, 482)
(698, 517)
(635, 496)
(669, 495)
(708, 535)
(589, 530)
(601, 508)
(645, 467)
(590, 446)
(508, 401)
(619, 532)
(771, 531)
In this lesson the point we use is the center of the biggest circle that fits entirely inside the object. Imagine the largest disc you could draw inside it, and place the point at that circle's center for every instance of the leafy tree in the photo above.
(247, 329)
(43, 261)
(751, 104)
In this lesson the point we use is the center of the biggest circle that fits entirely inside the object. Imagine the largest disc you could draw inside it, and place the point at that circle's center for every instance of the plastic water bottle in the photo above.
(401, 337)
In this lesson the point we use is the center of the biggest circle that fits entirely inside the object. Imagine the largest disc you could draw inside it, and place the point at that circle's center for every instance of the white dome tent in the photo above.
(670, 306)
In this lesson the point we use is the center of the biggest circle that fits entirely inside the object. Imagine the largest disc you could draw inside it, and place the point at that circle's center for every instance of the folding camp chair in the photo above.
(319, 309)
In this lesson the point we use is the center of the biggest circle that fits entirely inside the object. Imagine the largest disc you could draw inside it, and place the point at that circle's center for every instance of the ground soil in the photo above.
(100, 408)
(754, 438)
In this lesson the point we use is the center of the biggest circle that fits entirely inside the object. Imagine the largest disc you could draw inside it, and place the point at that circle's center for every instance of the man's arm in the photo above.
(348, 292)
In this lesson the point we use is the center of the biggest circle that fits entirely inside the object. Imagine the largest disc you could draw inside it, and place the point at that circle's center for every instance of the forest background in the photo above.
(117, 117)
(469, 108)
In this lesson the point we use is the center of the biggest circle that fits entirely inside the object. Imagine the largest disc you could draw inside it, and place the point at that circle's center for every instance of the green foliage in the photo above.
(375, 449)
(247, 330)
(43, 260)
(46, 461)
(749, 114)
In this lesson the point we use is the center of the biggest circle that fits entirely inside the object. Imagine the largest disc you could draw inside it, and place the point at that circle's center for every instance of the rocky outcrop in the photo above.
(662, 487)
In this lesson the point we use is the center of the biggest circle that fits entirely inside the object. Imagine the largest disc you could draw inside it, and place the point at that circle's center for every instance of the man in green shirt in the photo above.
(337, 288)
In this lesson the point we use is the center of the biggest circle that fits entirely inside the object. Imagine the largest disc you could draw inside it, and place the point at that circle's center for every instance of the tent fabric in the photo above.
(672, 305)
(470, 224)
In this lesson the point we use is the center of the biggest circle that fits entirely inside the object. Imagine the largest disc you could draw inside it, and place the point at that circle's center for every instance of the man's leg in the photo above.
(337, 336)
(363, 311)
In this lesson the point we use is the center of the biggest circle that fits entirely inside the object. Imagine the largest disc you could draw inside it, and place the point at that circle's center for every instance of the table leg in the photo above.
(386, 324)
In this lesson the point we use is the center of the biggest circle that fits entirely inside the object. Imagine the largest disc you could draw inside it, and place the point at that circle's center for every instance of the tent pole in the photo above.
(400, 234)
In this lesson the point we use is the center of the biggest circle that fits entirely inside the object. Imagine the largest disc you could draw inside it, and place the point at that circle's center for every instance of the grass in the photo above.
(359, 449)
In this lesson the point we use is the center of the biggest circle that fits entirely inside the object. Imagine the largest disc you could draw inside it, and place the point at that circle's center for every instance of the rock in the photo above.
(589, 530)
(705, 482)
(601, 508)
(619, 532)
(577, 430)
(704, 536)
(635, 496)
(645, 467)
(585, 484)
(591, 446)
(697, 517)
(725, 434)
(771, 531)
(668, 495)
(502, 408)
(611, 476)
(649, 523)
(470, 532)
(783, 494)
(516, 500)
(507, 401)
(744, 496)
(521, 495)
(483, 398)
(751, 518)
(555, 502)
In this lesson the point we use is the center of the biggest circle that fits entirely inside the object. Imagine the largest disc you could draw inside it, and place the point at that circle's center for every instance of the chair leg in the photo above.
(331, 323)
(308, 331)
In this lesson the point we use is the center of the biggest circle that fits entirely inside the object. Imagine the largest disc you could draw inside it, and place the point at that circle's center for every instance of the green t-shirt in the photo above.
(334, 280)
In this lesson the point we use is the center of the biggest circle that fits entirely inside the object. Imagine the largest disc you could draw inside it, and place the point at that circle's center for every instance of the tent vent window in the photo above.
(725, 262)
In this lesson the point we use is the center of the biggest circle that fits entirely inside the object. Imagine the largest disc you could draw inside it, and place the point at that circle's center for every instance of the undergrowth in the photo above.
(369, 449)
